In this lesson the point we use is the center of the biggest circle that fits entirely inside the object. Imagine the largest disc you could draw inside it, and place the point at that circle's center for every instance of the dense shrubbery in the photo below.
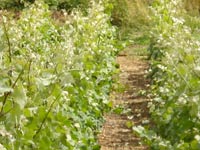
(120, 13)
(54, 80)
(175, 69)
(68, 5)
(53, 4)
(14, 4)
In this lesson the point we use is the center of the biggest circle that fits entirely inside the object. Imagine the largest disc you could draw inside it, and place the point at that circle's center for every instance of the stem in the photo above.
(8, 93)
(8, 41)
(45, 118)
(29, 70)
(3, 114)
(4, 102)
(174, 65)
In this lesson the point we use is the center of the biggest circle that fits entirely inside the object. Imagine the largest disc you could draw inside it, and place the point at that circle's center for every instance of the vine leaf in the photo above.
(5, 89)
(19, 96)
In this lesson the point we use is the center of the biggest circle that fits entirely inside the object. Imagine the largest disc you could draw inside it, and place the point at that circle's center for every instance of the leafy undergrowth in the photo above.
(68, 5)
(55, 79)
(174, 56)
(137, 44)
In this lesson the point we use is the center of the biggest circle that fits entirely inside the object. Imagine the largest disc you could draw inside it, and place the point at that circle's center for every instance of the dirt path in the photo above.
(117, 133)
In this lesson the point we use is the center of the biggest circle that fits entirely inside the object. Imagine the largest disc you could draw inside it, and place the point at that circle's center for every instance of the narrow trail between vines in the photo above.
(117, 131)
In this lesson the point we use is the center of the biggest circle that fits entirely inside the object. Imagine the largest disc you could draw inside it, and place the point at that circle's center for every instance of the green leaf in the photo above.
(195, 145)
(66, 78)
(4, 89)
(19, 96)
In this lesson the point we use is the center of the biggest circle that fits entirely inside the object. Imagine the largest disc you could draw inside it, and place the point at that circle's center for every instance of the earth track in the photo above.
(117, 133)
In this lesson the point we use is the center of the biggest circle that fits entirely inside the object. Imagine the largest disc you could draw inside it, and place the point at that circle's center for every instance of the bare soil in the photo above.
(117, 133)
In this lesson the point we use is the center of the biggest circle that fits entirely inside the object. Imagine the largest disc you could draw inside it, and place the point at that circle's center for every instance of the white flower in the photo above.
(2, 147)
(197, 137)
(197, 69)
(77, 125)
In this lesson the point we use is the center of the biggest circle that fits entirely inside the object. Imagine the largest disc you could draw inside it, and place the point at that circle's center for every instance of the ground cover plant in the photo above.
(55, 79)
(174, 57)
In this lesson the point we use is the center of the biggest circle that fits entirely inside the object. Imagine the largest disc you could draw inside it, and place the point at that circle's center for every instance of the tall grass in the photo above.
(138, 12)
(192, 6)
(131, 16)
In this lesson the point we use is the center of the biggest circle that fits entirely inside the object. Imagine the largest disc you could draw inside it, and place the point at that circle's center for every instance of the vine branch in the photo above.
(8, 93)
(45, 118)
(8, 41)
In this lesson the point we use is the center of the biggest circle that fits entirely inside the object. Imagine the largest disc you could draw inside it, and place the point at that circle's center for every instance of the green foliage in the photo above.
(120, 13)
(55, 80)
(10, 4)
(130, 13)
(68, 5)
(174, 56)
(130, 16)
